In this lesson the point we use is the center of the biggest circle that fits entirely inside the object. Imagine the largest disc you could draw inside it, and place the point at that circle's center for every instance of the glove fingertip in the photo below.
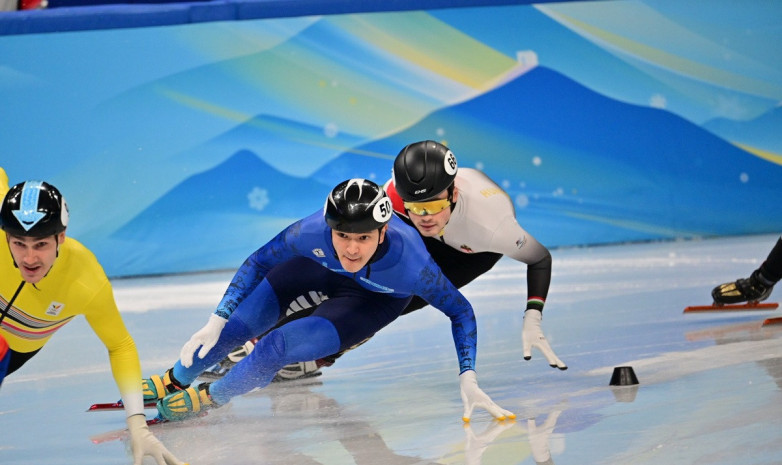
(467, 414)
(557, 363)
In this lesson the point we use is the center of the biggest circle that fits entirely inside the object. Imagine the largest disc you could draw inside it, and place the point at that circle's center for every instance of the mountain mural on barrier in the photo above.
(215, 219)
(761, 132)
(584, 168)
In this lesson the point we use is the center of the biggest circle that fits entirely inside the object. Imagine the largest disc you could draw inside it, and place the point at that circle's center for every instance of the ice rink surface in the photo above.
(709, 389)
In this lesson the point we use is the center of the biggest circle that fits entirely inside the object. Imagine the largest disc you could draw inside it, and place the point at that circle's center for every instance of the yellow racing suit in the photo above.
(75, 285)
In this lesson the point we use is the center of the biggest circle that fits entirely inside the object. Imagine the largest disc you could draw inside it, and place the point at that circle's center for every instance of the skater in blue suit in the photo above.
(365, 263)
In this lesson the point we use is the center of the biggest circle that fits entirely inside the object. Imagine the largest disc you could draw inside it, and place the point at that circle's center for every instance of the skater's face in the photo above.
(355, 249)
(430, 217)
(34, 256)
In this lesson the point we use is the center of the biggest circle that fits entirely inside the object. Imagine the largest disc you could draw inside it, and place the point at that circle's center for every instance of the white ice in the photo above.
(709, 389)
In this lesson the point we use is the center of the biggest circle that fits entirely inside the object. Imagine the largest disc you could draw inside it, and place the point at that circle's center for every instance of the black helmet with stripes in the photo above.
(357, 206)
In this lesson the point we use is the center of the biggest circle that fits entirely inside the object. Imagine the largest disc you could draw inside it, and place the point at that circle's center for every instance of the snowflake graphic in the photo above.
(658, 101)
(258, 198)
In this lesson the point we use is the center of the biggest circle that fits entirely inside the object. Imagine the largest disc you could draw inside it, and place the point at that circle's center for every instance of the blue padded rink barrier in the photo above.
(709, 389)
(78, 15)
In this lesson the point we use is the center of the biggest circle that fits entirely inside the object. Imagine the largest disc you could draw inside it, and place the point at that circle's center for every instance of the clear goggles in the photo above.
(431, 207)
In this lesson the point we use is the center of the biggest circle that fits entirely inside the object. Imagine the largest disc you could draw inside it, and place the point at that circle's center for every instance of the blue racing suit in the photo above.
(301, 259)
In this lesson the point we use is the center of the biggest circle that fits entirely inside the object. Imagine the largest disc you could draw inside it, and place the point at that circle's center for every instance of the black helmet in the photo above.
(422, 170)
(33, 209)
(357, 206)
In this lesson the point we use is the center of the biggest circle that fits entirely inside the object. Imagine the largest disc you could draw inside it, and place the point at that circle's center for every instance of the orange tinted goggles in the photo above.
(427, 208)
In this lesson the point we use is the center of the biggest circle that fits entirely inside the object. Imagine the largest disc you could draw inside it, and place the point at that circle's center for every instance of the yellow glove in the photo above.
(143, 442)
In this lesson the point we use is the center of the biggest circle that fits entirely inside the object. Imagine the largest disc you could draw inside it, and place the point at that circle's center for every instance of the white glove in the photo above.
(205, 337)
(532, 336)
(473, 396)
(143, 443)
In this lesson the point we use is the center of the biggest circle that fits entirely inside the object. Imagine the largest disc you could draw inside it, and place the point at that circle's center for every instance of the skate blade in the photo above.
(732, 307)
(301, 380)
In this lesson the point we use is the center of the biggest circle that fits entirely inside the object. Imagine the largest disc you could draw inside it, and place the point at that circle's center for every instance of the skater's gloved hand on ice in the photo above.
(143, 443)
(206, 338)
(532, 336)
(473, 396)
(475, 445)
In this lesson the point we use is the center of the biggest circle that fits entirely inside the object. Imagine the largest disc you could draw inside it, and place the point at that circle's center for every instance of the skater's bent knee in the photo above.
(273, 344)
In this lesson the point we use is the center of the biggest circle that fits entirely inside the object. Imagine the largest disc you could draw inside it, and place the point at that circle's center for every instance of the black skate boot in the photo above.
(754, 289)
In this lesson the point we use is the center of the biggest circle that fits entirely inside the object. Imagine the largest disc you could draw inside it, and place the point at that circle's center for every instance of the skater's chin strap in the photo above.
(382, 248)
(11, 302)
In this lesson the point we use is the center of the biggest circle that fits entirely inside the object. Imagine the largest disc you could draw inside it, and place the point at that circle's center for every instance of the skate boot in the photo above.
(298, 370)
(219, 369)
(303, 370)
(754, 289)
(157, 387)
(187, 403)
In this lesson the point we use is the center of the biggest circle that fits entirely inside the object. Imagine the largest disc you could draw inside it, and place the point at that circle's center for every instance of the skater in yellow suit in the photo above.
(46, 281)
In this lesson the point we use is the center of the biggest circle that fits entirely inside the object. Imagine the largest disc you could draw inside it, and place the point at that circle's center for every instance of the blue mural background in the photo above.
(183, 148)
